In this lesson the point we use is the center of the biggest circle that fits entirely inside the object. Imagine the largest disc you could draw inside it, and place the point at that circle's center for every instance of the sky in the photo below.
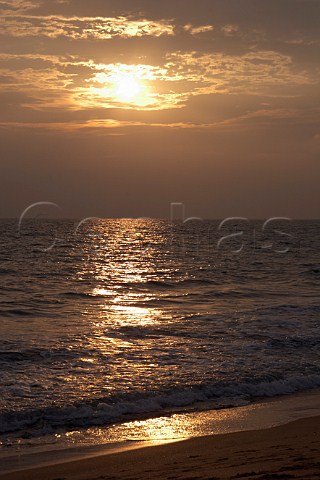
(118, 108)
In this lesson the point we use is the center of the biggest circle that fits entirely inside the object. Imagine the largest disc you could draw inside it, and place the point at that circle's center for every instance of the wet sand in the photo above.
(284, 452)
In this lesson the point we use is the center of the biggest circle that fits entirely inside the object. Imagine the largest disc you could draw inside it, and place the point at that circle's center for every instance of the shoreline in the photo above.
(287, 451)
(154, 432)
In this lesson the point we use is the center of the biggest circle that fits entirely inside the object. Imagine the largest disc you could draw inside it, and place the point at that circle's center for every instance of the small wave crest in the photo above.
(287, 309)
(157, 284)
(7, 271)
(37, 355)
(17, 312)
(104, 411)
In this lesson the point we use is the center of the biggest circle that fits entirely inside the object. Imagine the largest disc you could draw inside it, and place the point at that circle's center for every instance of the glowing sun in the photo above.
(127, 88)
(124, 86)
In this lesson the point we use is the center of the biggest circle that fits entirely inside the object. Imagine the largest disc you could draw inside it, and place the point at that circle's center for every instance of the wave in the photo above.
(150, 286)
(314, 271)
(156, 283)
(167, 284)
(7, 271)
(37, 355)
(185, 281)
(17, 312)
(104, 411)
(22, 313)
(285, 309)
(77, 294)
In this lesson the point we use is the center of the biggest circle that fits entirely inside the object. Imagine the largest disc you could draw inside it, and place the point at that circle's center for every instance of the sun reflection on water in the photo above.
(159, 429)
(96, 292)
(120, 296)
(128, 315)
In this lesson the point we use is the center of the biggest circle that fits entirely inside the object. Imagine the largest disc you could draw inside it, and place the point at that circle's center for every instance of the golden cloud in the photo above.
(230, 30)
(254, 72)
(197, 30)
(83, 28)
(70, 83)
(17, 6)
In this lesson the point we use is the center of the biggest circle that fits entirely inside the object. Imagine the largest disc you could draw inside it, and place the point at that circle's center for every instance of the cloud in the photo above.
(72, 83)
(197, 30)
(254, 72)
(254, 120)
(230, 30)
(303, 41)
(18, 6)
(98, 124)
(98, 28)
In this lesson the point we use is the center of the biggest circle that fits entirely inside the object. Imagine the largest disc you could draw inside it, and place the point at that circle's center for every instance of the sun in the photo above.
(124, 86)
(127, 88)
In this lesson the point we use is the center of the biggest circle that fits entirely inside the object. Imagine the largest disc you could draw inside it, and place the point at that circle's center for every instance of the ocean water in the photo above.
(109, 319)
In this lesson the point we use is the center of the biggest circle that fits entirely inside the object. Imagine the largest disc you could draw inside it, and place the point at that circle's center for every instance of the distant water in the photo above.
(119, 317)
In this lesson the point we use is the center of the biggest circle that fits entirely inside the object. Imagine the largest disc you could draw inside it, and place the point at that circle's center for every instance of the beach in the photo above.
(286, 451)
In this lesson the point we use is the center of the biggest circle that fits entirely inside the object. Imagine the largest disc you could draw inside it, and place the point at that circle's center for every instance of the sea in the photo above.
(107, 321)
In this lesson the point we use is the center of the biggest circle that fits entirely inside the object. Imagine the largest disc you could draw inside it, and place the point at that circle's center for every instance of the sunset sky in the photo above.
(117, 108)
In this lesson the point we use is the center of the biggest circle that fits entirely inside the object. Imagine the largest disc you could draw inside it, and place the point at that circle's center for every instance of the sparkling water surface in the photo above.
(114, 318)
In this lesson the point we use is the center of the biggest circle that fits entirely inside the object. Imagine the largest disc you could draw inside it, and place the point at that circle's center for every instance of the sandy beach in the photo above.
(284, 452)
